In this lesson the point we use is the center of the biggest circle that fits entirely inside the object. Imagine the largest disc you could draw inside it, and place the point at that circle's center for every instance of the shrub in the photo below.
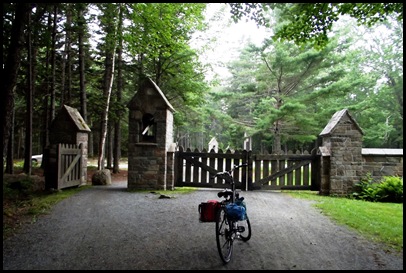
(364, 190)
(389, 189)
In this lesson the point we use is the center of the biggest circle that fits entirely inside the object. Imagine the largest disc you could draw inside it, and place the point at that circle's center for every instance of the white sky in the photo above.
(230, 38)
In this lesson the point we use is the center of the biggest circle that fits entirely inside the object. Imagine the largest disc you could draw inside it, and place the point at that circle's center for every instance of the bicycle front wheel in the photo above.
(224, 235)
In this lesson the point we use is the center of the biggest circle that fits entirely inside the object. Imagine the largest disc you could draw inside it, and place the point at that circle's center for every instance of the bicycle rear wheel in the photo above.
(224, 236)
(246, 234)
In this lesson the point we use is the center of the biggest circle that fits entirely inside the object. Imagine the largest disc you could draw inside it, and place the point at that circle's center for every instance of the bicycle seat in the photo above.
(225, 193)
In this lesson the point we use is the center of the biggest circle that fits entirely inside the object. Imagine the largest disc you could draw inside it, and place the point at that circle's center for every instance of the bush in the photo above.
(21, 185)
(389, 189)
(364, 190)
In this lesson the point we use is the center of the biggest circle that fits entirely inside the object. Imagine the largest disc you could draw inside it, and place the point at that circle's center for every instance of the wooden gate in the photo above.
(269, 172)
(194, 169)
(69, 165)
(283, 172)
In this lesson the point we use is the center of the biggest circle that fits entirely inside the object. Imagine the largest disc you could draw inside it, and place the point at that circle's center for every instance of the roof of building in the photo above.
(77, 118)
(147, 83)
(335, 120)
(213, 140)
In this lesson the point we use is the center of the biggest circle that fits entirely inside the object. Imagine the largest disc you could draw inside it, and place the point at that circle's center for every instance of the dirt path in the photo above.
(106, 227)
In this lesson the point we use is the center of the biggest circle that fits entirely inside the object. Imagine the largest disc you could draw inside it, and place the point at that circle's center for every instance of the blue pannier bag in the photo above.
(235, 212)
(240, 202)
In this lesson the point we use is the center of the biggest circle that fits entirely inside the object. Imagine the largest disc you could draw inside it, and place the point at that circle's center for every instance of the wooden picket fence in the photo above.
(264, 171)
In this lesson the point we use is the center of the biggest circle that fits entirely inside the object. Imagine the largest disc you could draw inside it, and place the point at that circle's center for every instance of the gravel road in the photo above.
(107, 227)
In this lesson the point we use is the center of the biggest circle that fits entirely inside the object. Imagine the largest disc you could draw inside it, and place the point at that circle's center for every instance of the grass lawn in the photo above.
(379, 222)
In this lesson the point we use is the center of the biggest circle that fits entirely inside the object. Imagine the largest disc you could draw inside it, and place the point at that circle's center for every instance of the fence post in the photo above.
(170, 171)
(59, 164)
(316, 173)
(249, 161)
(179, 166)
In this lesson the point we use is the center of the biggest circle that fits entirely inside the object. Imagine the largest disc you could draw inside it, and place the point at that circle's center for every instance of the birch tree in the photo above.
(110, 23)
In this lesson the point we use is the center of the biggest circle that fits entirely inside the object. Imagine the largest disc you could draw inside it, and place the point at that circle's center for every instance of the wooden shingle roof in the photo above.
(76, 118)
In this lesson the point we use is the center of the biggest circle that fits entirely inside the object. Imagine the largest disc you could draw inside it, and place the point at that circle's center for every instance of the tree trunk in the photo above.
(111, 46)
(109, 146)
(90, 151)
(83, 108)
(65, 53)
(103, 133)
(277, 146)
(69, 60)
(104, 123)
(117, 128)
(10, 149)
(28, 128)
(10, 70)
(47, 108)
(53, 64)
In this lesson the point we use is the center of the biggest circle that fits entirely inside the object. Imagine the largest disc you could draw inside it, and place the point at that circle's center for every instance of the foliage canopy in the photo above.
(311, 22)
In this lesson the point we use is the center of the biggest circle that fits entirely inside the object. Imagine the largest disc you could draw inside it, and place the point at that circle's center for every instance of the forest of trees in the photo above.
(92, 56)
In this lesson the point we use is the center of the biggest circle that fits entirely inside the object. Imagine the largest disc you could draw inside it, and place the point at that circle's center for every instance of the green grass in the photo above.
(376, 221)
(28, 208)
(43, 203)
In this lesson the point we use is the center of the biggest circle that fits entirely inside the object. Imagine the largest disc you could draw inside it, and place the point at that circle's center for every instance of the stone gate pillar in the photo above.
(341, 151)
(150, 138)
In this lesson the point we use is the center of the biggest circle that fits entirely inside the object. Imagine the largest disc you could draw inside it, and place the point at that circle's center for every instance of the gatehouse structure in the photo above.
(66, 156)
(150, 144)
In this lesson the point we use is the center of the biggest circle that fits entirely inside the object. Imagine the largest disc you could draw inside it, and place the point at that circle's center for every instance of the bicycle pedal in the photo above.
(240, 229)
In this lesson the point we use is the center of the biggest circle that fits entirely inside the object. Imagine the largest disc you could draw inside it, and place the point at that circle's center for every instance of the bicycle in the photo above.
(229, 227)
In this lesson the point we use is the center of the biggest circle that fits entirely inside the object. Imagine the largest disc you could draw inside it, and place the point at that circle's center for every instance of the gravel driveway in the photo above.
(106, 227)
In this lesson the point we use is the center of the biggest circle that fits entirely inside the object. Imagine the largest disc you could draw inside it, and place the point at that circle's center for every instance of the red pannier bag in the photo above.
(208, 210)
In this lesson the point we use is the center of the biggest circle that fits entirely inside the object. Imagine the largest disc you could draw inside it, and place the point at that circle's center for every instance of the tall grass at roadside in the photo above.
(379, 222)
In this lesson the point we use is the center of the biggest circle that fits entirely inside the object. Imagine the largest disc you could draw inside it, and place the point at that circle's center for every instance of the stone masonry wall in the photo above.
(148, 161)
(145, 172)
(382, 165)
(81, 138)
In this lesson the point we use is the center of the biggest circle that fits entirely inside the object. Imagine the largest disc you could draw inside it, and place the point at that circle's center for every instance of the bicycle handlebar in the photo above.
(239, 166)
(229, 172)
